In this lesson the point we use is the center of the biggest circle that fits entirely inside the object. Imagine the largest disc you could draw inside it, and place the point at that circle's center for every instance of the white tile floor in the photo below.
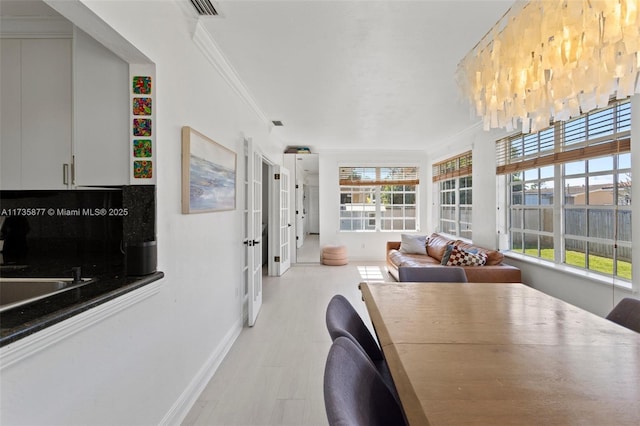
(273, 373)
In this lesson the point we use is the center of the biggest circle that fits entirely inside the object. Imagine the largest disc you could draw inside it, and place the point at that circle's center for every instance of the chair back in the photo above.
(354, 392)
(344, 321)
(627, 314)
(443, 274)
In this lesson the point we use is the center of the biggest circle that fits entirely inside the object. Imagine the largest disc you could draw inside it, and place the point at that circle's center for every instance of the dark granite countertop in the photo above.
(50, 233)
(29, 318)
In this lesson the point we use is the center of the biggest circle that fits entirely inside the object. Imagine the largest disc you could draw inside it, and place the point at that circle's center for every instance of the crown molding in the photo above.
(35, 27)
(205, 42)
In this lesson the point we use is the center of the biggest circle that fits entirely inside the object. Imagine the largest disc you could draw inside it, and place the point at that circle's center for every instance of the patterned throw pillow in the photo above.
(461, 257)
(447, 254)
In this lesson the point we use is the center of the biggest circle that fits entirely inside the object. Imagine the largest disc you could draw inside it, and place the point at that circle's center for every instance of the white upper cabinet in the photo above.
(64, 113)
(36, 113)
(10, 113)
(101, 114)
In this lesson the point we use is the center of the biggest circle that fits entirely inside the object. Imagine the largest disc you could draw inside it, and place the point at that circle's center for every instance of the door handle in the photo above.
(73, 170)
(247, 243)
(65, 174)
(255, 243)
(289, 225)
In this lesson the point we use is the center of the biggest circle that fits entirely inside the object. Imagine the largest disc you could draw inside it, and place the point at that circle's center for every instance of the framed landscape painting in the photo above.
(208, 174)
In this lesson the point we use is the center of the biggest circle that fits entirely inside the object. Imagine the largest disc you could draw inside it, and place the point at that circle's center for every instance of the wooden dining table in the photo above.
(503, 354)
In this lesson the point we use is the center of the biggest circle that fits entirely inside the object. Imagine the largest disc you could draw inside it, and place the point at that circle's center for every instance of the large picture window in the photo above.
(379, 198)
(453, 181)
(570, 191)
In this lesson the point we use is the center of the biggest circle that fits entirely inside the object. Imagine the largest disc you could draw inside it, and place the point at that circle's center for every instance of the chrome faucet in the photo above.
(76, 273)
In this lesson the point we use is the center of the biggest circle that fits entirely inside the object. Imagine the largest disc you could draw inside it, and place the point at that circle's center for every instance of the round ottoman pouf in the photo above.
(334, 255)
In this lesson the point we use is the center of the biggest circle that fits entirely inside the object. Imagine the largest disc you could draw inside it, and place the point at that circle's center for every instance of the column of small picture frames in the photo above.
(142, 129)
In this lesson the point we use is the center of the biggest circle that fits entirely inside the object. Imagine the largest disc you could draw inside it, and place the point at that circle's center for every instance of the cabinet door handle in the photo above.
(65, 174)
(73, 170)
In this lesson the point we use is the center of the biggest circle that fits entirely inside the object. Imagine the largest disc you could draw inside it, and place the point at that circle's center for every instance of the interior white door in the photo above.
(284, 192)
(300, 213)
(254, 230)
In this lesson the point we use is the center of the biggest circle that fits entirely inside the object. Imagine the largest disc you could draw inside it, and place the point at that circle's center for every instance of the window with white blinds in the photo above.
(603, 132)
(453, 183)
(569, 191)
(379, 198)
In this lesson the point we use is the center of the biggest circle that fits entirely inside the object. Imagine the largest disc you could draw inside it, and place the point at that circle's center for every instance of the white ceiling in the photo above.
(355, 74)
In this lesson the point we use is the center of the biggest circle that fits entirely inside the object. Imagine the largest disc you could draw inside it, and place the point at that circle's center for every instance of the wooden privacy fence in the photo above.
(592, 223)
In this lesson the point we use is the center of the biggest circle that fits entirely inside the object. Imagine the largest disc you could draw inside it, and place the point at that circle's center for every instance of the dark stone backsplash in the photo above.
(140, 224)
(68, 228)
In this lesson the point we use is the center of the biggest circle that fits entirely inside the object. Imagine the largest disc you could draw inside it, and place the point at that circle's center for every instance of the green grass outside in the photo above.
(600, 264)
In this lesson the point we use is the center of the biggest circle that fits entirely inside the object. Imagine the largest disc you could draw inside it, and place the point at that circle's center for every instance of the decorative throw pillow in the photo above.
(413, 244)
(447, 254)
(461, 257)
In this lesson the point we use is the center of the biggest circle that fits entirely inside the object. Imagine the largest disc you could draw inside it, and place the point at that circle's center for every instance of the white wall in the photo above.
(364, 245)
(144, 364)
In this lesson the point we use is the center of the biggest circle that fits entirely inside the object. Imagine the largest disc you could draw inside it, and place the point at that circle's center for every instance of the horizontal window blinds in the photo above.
(460, 165)
(598, 133)
(370, 176)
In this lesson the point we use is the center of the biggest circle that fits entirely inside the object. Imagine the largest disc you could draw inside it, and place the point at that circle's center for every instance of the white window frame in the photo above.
(456, 226)
(619, 137)
(451, 172)
(368, 213)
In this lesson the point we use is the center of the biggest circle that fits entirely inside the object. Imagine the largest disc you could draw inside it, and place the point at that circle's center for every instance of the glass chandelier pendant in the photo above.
(552, 60)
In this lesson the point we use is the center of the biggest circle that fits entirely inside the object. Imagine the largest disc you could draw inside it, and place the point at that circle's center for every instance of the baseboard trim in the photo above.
(189, 396)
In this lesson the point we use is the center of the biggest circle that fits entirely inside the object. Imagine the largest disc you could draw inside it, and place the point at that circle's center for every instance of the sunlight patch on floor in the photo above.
(371, 273)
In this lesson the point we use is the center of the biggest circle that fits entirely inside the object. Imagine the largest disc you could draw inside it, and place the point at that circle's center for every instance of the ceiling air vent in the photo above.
(277, 123)
(204, 8)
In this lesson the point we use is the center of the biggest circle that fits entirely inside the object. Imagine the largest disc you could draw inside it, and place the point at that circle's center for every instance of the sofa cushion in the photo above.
(413, 244)
(436, 245)
(494, 257)
(460, 257)
(401, 259)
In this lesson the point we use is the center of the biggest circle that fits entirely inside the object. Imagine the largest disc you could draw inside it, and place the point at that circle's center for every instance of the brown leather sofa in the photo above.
(493, 271)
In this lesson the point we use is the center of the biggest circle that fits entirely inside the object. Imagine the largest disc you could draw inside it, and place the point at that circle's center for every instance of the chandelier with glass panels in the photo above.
(552, 60)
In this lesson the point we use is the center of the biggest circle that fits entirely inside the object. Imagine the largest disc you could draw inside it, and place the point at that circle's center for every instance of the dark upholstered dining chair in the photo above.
(627, 314)
(354, 392)
(442, 274)
(344, 321)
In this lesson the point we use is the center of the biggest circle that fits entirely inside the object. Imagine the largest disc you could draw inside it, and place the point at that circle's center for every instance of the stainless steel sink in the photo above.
(19, 291)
